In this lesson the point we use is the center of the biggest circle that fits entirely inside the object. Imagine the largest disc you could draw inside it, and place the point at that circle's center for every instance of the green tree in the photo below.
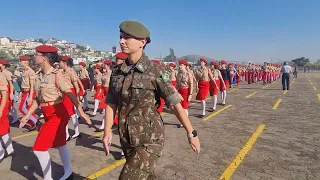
(301, 62)
(171, 57)
(4, 55)
(41, 40)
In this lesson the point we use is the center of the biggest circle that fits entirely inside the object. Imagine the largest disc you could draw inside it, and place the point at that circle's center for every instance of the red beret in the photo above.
(213, 63)
(24, 58)
(4, 62)
(121, 55)
(107, 62)
(223, 62)
(203, 60)
(172, 65)
(82, 64)
(65, 58)
(98, 66)
(47, 49)
(156, 61)
(183, 62)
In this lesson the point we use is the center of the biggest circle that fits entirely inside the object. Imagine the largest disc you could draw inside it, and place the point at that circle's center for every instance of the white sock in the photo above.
(102, 125)
(75, 122)
(45, 163)
(85, 104)
(14, 114)
(66, 161)
(215, 99)
(96, 105)
(7, 143)
(224, 97)
(67, 132)
(77, 112)
(203, 105)
(187, 112)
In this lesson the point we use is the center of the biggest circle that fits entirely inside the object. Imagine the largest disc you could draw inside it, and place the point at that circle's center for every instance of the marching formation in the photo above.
(131, 92)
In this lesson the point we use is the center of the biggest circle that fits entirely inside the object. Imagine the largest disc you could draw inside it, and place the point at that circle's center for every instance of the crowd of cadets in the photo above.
(207, 79)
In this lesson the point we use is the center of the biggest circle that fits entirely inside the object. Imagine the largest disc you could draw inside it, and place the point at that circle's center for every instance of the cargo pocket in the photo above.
(139, 131)
(142, 89)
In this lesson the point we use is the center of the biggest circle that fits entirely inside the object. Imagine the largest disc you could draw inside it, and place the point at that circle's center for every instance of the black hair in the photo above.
(69, 62)
(53, 57)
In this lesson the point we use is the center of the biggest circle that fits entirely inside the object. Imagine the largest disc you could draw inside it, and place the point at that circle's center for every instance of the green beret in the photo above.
(135, 29)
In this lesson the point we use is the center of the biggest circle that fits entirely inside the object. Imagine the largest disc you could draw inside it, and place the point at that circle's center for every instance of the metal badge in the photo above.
(45, 80)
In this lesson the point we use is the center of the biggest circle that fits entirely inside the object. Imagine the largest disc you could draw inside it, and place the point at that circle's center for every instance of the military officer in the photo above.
(136, 87)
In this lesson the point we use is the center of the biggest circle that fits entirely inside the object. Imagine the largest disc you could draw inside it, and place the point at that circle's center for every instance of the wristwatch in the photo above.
(193, 134)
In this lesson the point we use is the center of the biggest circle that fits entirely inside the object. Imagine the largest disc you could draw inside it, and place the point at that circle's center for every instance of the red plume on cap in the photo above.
(121, 55)
(24, 58)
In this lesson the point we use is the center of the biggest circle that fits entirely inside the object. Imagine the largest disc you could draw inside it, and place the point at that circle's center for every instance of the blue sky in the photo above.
(246, 30)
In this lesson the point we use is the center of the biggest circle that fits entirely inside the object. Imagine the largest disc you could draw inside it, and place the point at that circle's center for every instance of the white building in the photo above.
(86, 46)
(116, 49)
(4, 41)
(33, 44)
(78, 60)
(92, 58)
(61, 41)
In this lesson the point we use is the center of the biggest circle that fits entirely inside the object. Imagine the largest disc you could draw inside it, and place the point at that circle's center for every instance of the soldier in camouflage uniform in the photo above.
(135, 89)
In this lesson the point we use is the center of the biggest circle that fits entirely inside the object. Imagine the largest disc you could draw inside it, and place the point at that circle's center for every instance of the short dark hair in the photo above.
(53, 57)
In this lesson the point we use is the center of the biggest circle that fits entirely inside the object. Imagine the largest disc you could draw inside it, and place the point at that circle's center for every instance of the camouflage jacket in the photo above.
(136, 91)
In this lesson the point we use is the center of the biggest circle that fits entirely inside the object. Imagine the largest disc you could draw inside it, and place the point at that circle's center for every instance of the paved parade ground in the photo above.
(261, 133)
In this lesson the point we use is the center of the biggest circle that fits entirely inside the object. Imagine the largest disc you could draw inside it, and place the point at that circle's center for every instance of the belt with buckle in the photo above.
(45, 104)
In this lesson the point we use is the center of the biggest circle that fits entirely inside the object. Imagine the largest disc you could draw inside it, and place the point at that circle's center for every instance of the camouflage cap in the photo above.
(135, 29)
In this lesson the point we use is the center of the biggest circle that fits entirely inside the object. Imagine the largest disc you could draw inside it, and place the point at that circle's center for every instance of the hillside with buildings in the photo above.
(11, 49)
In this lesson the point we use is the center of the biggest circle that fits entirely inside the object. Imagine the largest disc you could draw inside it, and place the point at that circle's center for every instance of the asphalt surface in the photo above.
(257, 137)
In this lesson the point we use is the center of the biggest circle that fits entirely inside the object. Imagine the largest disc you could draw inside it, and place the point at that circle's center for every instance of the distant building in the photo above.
(4, 41)
(77, 60)
(116, 49)
(61, 41)
(33, 44)
(93, 58)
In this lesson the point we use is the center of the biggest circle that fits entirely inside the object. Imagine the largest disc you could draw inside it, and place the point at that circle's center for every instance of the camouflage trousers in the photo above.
(140, 162)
